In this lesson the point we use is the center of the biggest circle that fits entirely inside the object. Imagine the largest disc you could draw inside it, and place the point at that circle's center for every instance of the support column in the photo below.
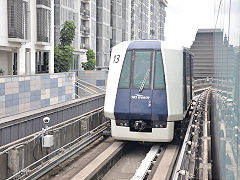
(21, 61)
(51, 62)
(51, 53)
(33, 61)
(15, 160)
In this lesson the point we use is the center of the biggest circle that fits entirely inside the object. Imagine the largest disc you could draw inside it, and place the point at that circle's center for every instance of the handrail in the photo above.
(92, 85)
(83, 89)
(86, 87)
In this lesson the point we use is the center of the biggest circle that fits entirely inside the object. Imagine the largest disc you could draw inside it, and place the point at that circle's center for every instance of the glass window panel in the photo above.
(159, 82)
(142, 68)
(125, 75)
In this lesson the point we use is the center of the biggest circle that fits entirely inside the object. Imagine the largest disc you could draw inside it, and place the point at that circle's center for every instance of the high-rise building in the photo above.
(26, 37)
(147, 19)
(210, 48)
(104, 32)
(127, 20)
(157, 19)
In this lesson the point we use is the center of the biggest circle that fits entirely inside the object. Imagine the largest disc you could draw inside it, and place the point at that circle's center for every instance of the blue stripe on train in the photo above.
(156, 45)
(126, 106)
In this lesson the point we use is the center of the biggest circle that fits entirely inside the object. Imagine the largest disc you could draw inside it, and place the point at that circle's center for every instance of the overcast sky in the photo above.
(185, 17)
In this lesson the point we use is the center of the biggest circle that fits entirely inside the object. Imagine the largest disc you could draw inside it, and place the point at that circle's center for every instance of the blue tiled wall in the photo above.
(23, 93)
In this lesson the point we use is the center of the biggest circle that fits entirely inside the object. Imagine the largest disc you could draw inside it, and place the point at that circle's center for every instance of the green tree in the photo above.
(91, 61)
(63, 53)
(63, 57)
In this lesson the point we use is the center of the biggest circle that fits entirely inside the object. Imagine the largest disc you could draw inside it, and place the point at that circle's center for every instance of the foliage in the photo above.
(91, 61)
(63, 53)
(63, 57)
(67, 33)
(89, 65)
(90, 54)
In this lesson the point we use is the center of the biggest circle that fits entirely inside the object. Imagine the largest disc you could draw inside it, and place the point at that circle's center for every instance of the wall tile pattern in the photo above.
(23, 93)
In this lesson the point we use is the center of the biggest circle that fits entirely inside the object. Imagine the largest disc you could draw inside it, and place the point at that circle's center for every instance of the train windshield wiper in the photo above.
(144, 81)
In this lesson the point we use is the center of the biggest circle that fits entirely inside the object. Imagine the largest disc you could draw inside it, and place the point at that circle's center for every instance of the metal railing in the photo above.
(84, 12)
(186, 163)
(84, 88)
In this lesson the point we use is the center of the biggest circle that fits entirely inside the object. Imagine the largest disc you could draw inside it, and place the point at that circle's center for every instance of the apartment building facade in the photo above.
(26, 37)
(102, 24)
(120, 20)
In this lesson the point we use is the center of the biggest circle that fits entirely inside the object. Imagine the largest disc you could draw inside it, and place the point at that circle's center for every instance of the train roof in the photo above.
(145, 44)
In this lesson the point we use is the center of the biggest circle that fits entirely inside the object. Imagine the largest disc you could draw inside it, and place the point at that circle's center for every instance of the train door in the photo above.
(141, 89)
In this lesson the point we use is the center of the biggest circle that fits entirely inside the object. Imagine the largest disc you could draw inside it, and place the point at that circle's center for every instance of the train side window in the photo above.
(142, 69)
(159, 80)
(125, 75)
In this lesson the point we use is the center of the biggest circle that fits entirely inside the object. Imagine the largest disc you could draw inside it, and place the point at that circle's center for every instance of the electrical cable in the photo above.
(229, 18)
(219, 7)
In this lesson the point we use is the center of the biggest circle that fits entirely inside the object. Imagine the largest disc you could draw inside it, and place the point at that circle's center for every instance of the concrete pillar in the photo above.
(15, 160)
(51, 61)
(28, 62)
(51, 53)
(21, 60)
(149, 19)
(3, 166)
(33, 61)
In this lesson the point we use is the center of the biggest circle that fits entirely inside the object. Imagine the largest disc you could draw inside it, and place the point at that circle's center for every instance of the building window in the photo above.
(43, 20)
(17, 19)
(43, 25)
(42, 61)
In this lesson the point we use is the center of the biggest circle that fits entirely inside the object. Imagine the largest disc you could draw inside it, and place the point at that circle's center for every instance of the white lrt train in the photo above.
(148, 90)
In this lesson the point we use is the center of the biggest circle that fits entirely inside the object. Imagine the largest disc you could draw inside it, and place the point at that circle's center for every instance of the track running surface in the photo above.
(126, 167)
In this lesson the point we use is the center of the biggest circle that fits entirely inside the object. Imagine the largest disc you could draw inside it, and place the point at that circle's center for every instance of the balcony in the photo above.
(84, 46)
(84, 30)
(84, 12)
(46, 3)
